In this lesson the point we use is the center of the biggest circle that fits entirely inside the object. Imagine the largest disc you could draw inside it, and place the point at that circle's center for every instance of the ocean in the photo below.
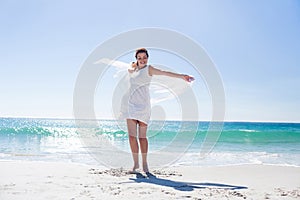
(59, 140)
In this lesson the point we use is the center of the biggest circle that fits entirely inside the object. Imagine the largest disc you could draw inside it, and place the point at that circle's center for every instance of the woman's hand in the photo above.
(133, 68)
(188, 78)
(134, 65)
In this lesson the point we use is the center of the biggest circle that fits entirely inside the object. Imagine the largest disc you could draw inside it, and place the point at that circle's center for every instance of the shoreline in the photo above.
(59, 180)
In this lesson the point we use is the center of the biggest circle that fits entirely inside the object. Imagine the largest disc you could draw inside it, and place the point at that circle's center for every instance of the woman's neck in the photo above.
(139, 67)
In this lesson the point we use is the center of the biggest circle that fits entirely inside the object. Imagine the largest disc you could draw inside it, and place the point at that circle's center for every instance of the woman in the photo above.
(138, 113)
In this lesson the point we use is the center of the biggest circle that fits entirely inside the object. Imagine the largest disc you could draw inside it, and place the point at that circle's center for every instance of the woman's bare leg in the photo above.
(143, 144)
(132, 133)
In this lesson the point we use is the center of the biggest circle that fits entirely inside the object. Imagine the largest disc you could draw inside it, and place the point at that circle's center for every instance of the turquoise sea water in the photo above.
(239, 142)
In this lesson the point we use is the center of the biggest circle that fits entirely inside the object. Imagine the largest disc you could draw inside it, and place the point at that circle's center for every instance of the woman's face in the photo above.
(142, 59)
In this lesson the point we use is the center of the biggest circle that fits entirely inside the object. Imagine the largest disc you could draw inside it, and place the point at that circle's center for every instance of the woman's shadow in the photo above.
(182, 186)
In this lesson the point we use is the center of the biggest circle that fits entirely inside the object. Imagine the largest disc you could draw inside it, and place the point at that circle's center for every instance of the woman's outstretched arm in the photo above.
(155, 71)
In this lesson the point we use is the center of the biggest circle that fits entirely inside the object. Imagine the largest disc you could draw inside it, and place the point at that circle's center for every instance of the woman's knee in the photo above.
(132, 135)
(142, 139)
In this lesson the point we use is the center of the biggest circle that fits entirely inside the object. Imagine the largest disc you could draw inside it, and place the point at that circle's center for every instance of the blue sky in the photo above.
(254, 44)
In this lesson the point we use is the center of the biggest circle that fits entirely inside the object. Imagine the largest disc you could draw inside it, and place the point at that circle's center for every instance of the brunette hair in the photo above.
(141, 50)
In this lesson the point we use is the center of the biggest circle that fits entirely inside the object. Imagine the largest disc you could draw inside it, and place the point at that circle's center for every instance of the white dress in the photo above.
(136, 103)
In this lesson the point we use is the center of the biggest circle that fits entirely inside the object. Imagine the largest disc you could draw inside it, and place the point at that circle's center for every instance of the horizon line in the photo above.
(68, 118)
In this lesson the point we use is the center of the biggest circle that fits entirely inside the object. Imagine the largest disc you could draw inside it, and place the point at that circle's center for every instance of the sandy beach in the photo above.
(53, 180)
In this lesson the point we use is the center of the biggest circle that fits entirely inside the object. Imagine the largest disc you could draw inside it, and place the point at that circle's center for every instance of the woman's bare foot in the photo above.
(145, 167)
(133, 171)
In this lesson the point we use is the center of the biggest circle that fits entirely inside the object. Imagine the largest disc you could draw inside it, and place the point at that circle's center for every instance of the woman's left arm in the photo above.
(155, 71)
